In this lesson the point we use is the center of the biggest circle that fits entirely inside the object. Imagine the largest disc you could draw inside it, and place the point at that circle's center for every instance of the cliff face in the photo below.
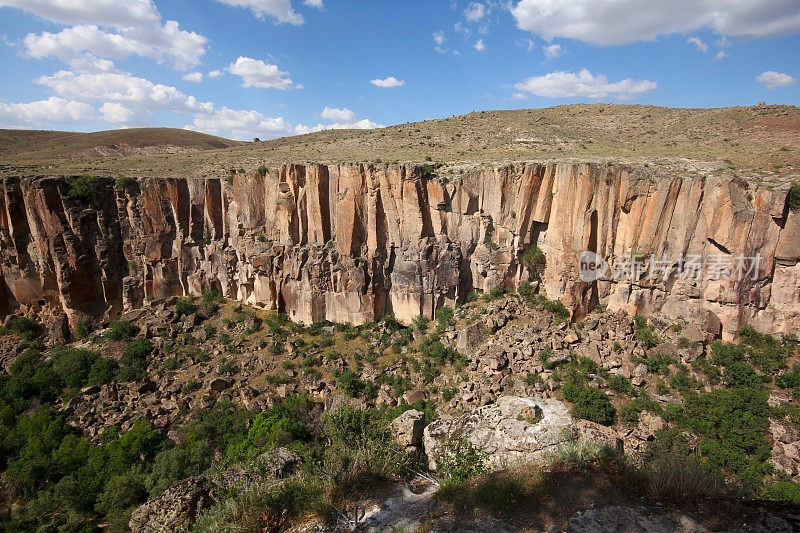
(348, 243)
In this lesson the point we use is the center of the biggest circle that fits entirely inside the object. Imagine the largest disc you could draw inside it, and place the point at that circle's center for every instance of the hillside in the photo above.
(762, 139)
(39, 149)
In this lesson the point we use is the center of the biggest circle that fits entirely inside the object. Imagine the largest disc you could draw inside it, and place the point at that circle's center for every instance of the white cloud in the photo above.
(314, 3)
(439, 38)
(625, 21)
(240, 124)
(475, 12)
(335, 113)
(51, 111)
(122, 88)
(387, 83)
(256, 73)
(552, 51)
(108, 28)
(480, 46)
(101, 12)
(280, 10)
(562, 84)
(119, 114)
(196, 77)
(363, 124)
(775, 80)
(215, 74)
(698, 43)
(461, 28)
(721, 54)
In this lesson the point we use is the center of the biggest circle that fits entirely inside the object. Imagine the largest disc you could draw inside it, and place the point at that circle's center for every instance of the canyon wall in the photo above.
(351, 242)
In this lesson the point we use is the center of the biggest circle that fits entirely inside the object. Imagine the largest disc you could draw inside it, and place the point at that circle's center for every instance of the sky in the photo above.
(269, 68)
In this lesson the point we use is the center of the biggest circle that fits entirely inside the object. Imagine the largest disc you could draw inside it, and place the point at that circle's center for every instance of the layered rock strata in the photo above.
(351, 242)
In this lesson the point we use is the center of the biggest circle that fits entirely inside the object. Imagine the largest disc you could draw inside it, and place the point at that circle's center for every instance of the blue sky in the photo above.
(269, 68)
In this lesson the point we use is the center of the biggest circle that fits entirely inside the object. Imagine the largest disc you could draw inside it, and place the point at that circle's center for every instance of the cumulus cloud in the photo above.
(438, 38)
(698, 43)
(106, 28)
(122, 115)
(100, 12)
(54, 110)
(337, 114)
(562, 84)
(256, 73)
(122, 88)
(721, 54)
(215, 74)
(775, 80)
(196, 77)
(480, 46)
(314, 3)
(624, 21)
(240, 124)
(387, 83)
(280, 10)
(475, 12)
(552, 51)
(363, 124)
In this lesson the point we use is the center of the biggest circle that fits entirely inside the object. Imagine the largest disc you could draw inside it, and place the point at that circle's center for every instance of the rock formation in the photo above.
(351, 242)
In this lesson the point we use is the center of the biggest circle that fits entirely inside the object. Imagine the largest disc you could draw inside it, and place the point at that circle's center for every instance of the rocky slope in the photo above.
(351, 242)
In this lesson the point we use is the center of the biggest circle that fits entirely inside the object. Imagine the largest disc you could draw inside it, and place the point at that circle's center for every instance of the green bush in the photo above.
(25, 327)
(460, 461)
(444, 317)
(534, 260)
(620, 384)
(589, 403)
(72, 365)
(133, 363)
(125, 182)
(558, 309)
(121, 330)
(350, 384)
(173, 465)
(83, 328)
(782, 491)
(420, 323)
(793, 197)
(83, 189)
(262, 170)
(186, 306)
(103, 370)
(525, 289)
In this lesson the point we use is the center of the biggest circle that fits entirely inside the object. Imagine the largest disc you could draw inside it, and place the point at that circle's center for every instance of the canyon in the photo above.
(350, 242)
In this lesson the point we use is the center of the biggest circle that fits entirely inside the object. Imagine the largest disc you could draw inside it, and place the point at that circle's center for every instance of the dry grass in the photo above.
(734, 140)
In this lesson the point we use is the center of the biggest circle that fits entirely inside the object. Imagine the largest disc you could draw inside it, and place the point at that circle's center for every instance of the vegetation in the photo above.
(84, 189)
(533, 259)
(793, 197)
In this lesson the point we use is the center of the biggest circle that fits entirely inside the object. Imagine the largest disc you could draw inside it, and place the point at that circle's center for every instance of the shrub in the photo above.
(125, 182)
(191, 386)
(83, 189)
(83, 328)
(495, 294)
(73, 365)
(460, 461)
(262, 170)
(170, 466)
(525, 289)
(582, 455)
(350, 384)
(557, 308)
(185, 306)
(134, 360)
(444, 317)
(589, 403)
(782, 491)
(793, 197)
(620, 384)
(103, 370)
(420, 323)
(121, 330)
(646, 336)
(534, 260)
(681, 478)
(25, 327)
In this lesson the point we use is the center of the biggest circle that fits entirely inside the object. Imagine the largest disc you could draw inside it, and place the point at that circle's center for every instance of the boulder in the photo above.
(512, 430)
(408, 427)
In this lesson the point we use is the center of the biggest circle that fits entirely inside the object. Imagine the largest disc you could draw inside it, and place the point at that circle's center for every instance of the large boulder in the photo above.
(512, 430)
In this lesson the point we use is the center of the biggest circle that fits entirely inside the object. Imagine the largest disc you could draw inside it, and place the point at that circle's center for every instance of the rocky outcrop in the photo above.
(178, 507)
(510, 431)
(351, 242)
